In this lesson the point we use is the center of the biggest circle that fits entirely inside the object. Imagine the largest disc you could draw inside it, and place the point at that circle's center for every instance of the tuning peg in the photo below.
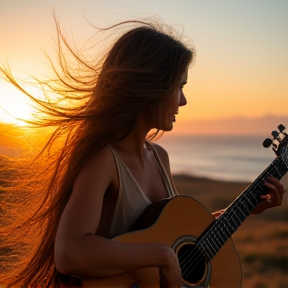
(267, 142)
(281, 128)
(275, 134)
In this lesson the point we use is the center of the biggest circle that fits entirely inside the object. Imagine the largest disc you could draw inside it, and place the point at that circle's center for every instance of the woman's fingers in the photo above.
(274, 196)
(276, 191)
(170, 273)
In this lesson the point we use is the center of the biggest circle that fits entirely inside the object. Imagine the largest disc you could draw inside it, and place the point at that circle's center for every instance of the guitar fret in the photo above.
(211, 246)
(230, 224)
(241, 217)
(234, 221)
(244, 206)
(256, 199)
(260, 186)
(276, 169)
(226, 236)
(233, 227)
(214, 245)
(252, 206)
(230, 231)
(223, 234)
(220, 235)
(221, 238)
(239, 214)
(206, 250)
(284, 163)
(225, 225)
(238, 219)
(280, 163)
(216, 233)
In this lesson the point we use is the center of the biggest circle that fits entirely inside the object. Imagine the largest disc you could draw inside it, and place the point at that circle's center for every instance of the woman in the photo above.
(107, 171)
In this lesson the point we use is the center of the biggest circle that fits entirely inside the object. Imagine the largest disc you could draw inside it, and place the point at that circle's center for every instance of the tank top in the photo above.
(131, 200)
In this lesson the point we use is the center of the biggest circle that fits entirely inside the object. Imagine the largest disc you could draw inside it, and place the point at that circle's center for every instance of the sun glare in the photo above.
(15, 107)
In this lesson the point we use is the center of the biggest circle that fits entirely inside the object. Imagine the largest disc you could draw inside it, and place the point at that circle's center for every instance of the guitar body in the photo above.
(178, 223)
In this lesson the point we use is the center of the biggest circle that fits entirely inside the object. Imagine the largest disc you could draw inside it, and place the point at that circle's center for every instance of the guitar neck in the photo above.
(222, 229)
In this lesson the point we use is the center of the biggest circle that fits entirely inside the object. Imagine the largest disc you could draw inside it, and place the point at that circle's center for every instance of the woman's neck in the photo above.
(134, 142)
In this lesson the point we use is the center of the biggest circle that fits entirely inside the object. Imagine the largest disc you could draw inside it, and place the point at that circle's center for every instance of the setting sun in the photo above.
(15, 107)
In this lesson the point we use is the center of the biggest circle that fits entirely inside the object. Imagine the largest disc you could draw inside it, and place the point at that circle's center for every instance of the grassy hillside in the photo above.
(261, 241)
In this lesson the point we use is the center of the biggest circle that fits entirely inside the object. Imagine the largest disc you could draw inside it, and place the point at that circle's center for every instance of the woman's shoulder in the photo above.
(102, 155)
(101, 162)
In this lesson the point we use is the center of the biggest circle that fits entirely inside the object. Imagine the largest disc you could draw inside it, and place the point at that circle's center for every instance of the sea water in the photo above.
(229, 158)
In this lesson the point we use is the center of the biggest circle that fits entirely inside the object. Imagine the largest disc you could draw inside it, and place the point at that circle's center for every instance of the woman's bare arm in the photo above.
(79, 251)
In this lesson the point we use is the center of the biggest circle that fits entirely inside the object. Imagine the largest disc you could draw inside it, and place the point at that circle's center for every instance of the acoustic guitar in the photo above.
(206, 253)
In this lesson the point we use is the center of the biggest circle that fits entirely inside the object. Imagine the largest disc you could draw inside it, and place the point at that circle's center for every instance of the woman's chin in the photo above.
(168, 128)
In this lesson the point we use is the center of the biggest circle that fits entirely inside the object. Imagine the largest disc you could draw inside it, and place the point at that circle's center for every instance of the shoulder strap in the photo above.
(167, 178)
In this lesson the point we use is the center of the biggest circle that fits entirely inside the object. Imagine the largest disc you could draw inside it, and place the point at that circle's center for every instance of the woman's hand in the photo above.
(170, 272)
(273, 198)
(218, 213)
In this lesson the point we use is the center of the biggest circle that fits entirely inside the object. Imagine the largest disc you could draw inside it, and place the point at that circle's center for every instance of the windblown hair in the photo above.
(138, 74)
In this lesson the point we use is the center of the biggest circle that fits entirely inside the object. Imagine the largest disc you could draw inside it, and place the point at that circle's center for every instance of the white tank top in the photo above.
(131, 200)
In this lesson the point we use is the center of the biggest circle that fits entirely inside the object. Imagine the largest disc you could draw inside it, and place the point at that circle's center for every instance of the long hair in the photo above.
(138, 74)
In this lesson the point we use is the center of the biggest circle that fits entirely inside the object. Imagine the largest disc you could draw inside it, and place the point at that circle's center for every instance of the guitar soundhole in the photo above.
(192, 263)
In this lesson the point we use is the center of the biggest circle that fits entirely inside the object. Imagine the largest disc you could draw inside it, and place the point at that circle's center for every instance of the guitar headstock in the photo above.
(279, 141)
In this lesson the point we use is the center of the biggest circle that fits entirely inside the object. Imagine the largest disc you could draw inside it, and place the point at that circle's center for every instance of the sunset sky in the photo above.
(241, 67)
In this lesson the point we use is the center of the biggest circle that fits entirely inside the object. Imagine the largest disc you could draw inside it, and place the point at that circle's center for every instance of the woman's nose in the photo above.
(183, 100)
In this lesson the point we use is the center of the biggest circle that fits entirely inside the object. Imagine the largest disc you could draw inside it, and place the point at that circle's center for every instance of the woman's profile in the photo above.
(100, 168)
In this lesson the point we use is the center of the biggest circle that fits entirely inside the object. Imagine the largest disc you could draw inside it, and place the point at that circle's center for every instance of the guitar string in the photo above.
(197, 259)
(196, 246)
(216, 231)
(200, 254)
(181, 258)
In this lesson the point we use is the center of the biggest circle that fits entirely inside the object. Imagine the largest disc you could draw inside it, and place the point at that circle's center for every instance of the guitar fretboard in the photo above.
(222, 229)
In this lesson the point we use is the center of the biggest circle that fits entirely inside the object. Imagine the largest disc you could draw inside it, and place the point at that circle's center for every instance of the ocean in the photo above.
(228, 158)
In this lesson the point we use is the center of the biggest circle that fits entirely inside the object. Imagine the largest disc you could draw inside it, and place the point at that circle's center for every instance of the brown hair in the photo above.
(138, 74)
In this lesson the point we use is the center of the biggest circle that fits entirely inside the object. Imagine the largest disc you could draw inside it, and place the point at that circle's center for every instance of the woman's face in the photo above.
(178, 99)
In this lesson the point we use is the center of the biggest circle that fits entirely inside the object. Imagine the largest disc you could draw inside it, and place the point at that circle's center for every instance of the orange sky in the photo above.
(241, 67)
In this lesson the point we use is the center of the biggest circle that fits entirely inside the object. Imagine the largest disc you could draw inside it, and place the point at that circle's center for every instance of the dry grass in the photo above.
(262, 240)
